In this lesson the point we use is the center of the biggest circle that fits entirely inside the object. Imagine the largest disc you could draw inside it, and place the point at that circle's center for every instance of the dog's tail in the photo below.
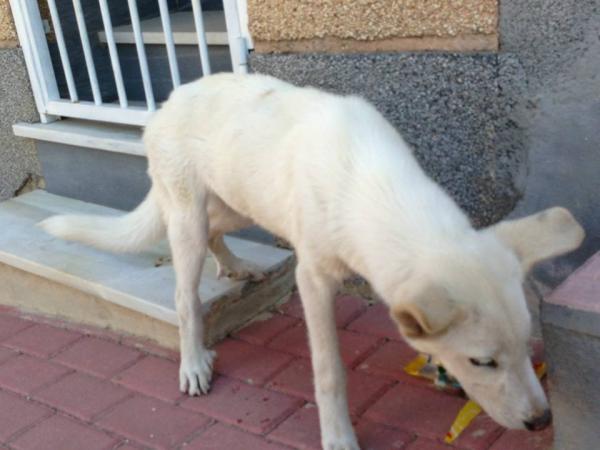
(130, 232)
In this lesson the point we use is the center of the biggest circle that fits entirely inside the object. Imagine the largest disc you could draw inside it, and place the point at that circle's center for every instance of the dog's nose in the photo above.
(540, 422)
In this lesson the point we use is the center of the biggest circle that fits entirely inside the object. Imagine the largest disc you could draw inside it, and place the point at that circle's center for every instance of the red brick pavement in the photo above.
(64, 387)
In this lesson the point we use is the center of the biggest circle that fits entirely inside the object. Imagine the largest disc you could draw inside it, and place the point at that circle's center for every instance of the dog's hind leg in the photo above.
(230, 265)
(223, 219)
(188, 237)
(317, 291)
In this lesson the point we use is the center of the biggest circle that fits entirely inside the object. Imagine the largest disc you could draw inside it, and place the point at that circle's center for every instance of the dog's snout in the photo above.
(540, 422)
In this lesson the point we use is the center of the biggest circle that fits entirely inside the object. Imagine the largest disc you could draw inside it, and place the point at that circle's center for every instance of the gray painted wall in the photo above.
(558, 46)
(18, 160)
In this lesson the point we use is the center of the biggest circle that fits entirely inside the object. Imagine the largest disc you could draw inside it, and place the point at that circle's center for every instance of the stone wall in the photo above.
(351, 26)
(19, 166)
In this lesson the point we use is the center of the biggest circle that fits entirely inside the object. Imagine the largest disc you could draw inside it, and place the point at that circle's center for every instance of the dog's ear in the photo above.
(429, 312)
(540, 236)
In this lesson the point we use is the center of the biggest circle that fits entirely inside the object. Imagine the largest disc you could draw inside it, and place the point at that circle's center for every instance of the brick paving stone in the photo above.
(353, 346)
(249, 363)
(6, 354)
(251, 408)
(127, 446)
(525, 440)
(377, 322)
(347, 308)
(26, 373)
(42, 340)
(16, 413)
(223, 437)
(374, 436)
(480, 434)
(99, 357)
(152, 422)
(427, 444)
(430, 413)
(153, 376)
(424, 410)
(300, 430)
(389, 360)
(297, 380)
(293, 307)
(61, 433)
(263, 331)
(81, 395)
(10, 325)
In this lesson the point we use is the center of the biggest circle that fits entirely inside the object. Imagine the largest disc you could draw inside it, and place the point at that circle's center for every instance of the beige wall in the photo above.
(371, 25)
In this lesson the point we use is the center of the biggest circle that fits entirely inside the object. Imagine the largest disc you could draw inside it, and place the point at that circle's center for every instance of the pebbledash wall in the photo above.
(19, 166)
(500, 100)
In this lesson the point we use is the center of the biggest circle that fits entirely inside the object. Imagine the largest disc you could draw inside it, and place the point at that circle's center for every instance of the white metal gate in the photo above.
(50, 105)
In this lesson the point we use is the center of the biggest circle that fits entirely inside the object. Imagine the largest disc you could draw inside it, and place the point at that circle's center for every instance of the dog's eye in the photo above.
(489, 362)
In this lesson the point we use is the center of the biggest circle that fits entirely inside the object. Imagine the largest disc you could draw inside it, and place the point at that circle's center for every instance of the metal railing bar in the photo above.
(141, 52)
(168, 32)
(62, 50)
(87, 52)
(202, 46)
(114, 55)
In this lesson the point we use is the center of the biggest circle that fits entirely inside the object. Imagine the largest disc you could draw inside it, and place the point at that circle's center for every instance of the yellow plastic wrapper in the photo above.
(463, 419)
(421, 367)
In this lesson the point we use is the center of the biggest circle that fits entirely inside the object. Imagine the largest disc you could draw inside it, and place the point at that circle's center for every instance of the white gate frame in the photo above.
(32, 37)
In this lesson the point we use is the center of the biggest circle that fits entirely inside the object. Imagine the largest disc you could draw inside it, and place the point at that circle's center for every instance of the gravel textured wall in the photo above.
(451, 108)
(19, 167)
(274, 20)
(18, 158)
(7, 29)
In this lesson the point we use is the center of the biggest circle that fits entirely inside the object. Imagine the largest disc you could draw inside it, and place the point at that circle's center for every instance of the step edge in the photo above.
(100, 291)
(60, 133)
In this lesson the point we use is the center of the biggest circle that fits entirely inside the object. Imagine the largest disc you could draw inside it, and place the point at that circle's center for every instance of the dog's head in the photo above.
(467, 309)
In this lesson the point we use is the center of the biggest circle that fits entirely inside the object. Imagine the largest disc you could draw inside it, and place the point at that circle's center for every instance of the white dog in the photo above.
(333, 177)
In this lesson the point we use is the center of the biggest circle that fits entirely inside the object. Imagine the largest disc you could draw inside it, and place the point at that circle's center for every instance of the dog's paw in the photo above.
(195, 373)
(241, 270)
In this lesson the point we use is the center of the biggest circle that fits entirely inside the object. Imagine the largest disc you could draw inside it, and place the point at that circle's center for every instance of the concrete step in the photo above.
(182, 24)
(131, 294)
(86, 133)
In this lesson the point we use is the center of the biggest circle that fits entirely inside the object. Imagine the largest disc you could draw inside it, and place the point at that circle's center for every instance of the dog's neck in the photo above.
(398, 233)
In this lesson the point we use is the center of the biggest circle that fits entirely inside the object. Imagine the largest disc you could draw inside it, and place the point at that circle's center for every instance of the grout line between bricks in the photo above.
(66, 347)
(283, 418)
(32, 324)
(100, 414)
(50, 412)
(376, 397)
(126, 367)
(55, 411)
(211, 423)
(281, 369)
(370, 351)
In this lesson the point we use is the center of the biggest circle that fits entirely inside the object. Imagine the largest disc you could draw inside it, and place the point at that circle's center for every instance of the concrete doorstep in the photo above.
(131, 294)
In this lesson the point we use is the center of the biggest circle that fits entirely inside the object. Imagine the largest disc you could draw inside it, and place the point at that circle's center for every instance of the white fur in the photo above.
(330, 175)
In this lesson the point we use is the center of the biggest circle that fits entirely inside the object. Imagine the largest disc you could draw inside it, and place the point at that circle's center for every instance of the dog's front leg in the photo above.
(317, 291)
(188, 237)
